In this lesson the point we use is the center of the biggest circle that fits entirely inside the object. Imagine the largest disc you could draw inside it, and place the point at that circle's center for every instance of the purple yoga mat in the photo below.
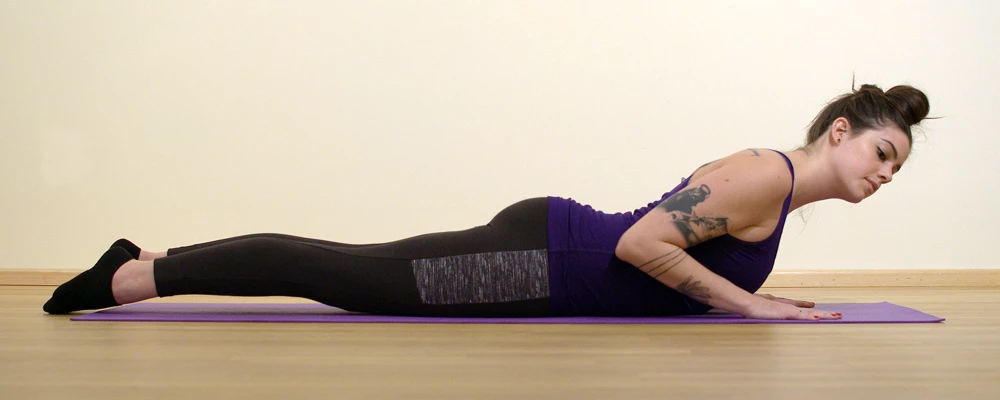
(228, 312)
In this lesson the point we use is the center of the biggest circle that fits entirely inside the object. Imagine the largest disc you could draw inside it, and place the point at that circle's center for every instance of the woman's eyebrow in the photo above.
(895, 154)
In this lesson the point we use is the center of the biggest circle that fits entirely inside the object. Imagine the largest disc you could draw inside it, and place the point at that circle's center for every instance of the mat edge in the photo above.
(119, 314)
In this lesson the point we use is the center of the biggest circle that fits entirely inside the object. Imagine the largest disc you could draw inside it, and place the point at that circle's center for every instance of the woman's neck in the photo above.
(814, 178)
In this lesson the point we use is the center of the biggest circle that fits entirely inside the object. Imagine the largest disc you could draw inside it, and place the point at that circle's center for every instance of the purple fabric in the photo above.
(228, 312)
(586, 278)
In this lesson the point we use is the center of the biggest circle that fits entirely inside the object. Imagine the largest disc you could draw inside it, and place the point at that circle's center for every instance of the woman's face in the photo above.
(869, 160)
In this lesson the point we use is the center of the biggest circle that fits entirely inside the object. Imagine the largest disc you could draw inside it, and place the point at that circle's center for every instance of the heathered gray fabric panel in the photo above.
(483, 278)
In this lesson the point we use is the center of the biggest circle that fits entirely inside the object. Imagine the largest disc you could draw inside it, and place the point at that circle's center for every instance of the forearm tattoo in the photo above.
(666, 262)
(694, 289)
(663, 263)
(694, 228)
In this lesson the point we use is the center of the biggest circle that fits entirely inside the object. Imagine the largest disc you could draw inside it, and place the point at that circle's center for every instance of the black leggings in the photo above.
(404, 277)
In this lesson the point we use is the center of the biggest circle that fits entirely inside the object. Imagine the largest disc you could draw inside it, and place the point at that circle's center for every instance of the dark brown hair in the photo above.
(868, 107)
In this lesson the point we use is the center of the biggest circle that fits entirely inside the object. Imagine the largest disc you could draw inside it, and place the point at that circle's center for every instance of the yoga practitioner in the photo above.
(709, 242)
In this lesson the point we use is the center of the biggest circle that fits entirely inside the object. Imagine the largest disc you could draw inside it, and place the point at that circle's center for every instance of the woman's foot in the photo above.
(130, 247)
(136, 252)
(92, 288)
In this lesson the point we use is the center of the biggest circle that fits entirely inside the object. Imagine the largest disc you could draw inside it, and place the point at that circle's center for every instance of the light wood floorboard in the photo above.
(50, 357)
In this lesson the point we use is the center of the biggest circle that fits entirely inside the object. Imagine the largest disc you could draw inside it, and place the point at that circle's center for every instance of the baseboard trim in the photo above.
(36, 277)
(886, 278)
(778, 279)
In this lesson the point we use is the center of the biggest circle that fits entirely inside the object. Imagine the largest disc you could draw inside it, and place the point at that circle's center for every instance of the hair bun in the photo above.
(870, 89)
(911, 103)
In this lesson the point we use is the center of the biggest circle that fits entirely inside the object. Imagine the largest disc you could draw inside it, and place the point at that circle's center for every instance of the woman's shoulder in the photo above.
(760, 174)
(760, 165)
(740, 195)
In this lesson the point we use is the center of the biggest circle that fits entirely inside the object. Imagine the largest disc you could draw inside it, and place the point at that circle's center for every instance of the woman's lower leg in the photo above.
(151, 255)
(134, 282)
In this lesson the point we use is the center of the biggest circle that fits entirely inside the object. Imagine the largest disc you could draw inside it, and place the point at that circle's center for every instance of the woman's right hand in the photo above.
(770, 309)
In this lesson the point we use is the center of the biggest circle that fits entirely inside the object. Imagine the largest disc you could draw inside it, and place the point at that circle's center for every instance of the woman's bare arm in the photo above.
(672, 266)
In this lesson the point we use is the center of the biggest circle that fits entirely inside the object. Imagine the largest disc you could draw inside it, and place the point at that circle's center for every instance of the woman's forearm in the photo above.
(672, 266)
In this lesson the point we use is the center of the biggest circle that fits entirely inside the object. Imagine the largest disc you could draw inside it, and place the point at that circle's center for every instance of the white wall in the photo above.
(176, 122)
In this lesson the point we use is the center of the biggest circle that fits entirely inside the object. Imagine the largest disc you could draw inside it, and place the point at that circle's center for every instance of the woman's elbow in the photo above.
(636, 249)
(626, 248)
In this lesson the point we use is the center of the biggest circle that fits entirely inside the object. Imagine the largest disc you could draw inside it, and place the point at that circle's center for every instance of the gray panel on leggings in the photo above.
(483, 278)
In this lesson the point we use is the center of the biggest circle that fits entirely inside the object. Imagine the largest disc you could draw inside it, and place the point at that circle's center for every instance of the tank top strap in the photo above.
(788, 199)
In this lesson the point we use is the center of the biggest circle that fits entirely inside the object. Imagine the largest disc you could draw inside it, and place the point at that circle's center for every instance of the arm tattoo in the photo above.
(694, 290)
(671, 253)
(755, 153)
(686, 225)
(686, 200)
(672, 259)
(681, 208)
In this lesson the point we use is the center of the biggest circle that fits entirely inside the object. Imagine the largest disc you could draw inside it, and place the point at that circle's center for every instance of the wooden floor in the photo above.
(49, 357)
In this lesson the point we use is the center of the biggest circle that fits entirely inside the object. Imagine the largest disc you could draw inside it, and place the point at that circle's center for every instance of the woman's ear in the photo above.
(839, 131)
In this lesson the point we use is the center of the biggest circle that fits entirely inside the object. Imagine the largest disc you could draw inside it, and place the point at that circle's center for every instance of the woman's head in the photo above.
(867, 135)
(869, 107)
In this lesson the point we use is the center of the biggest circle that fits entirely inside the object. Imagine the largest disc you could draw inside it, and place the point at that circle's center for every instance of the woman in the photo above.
(709, 242)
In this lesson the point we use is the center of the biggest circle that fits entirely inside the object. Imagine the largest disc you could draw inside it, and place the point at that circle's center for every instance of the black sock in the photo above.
(91, 289)
(128, 246)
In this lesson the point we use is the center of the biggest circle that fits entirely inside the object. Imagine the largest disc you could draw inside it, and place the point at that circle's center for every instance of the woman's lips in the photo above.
(873, 185)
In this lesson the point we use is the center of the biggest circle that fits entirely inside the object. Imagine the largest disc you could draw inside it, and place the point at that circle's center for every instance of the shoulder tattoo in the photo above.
(694, 228)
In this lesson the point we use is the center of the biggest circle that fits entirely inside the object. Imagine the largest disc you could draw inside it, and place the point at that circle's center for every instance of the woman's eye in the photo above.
(881, 154)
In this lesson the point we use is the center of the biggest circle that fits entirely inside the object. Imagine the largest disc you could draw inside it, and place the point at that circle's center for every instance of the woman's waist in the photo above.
(578, 227)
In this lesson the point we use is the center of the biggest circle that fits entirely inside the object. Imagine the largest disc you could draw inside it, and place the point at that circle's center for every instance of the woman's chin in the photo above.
(855, 198)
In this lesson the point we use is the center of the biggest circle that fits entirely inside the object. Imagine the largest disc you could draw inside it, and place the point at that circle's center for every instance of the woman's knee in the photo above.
(266, 248)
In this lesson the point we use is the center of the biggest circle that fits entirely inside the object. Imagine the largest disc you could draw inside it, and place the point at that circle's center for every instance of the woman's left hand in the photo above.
(797, 303)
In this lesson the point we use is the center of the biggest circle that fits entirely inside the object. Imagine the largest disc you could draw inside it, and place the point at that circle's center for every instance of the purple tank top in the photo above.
(585, 277)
